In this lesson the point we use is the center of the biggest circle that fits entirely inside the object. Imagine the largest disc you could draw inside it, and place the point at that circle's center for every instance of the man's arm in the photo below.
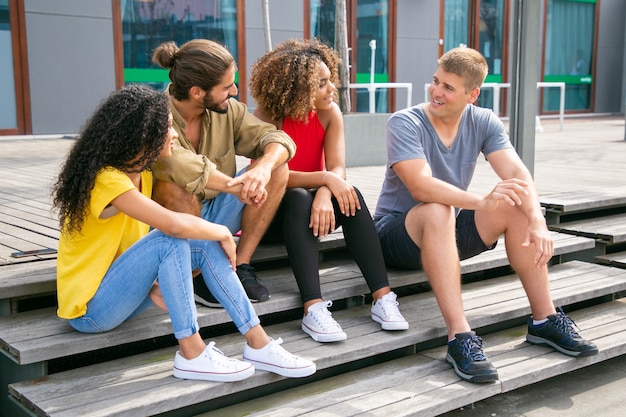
(417, 177)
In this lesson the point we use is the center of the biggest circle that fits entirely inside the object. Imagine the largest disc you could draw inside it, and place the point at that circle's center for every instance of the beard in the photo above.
(209, 104)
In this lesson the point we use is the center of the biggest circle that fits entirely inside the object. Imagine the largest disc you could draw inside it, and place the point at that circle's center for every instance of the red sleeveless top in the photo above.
(309, 139)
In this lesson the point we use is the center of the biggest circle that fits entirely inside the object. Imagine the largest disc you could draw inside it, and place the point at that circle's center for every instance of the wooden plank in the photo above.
(584, 200)
(611, 229)
(617, 259)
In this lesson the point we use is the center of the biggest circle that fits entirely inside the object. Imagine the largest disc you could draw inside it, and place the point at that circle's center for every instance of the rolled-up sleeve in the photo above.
(186, 168)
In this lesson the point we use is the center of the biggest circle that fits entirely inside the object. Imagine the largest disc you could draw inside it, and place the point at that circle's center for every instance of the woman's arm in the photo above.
(181, 225)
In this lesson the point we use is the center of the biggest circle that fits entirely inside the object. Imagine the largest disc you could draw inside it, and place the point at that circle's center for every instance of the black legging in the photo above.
(291, 223)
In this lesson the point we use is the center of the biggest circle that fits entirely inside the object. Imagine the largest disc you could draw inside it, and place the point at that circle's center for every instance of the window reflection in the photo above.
(148, 23)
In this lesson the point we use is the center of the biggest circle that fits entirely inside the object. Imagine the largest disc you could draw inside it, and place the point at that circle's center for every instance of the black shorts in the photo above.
(400, 251)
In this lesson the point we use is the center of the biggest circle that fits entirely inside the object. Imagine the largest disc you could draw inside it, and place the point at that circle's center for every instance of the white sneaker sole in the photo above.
(214, 376)
(390, 325)
(326, 337)
(281, 370)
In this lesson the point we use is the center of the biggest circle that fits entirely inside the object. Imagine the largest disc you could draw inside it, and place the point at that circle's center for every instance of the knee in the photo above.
(174, 197)
(435, 216)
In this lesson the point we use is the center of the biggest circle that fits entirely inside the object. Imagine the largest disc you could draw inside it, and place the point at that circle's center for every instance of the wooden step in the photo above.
(617, 259)
(143, 384)
(560, 206)
(38, 335)
(607, 229)
(424, 384)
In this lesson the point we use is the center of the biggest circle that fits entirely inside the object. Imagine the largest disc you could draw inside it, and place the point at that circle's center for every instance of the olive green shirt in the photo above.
(223, 136)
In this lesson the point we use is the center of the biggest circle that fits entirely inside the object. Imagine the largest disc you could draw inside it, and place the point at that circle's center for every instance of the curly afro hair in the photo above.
(127, 132)
(284, 82)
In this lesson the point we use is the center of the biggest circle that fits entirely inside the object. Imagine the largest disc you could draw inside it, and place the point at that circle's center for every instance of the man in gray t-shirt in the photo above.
(426, 218)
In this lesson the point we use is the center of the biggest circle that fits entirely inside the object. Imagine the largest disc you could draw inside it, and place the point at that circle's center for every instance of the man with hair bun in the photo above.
(201, 177)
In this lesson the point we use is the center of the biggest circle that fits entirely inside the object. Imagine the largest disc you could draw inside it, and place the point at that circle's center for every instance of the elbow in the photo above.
(174, 227)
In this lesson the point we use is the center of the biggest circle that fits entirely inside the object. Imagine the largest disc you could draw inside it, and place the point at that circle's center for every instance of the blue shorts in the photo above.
(400, 251)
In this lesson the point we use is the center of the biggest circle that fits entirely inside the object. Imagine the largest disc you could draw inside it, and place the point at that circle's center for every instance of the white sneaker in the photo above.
(274, 358)
(212, 365)
(386, 312)
(320, 325)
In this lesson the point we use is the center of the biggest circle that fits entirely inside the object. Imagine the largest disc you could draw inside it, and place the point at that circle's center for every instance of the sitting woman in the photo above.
(111, 267)
(294, 88)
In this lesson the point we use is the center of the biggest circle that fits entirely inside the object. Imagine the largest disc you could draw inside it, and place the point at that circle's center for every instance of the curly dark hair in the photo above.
(285, 81)
(127, 132)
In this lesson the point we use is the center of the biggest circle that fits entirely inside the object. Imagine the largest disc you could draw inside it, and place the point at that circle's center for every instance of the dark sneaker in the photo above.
(255, 291)
(465, 354)
(558, 332)
(202, 294)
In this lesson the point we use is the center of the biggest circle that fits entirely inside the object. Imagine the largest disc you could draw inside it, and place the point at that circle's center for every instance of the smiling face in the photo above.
(326, 92)
(216, 99)
(448, 95)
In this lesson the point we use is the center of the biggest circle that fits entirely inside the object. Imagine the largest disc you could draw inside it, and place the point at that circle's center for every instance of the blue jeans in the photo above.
(124, 290)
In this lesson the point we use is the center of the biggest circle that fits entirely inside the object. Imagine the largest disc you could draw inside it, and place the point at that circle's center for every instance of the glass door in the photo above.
(13, 85)
(568, 55)
(479, 24)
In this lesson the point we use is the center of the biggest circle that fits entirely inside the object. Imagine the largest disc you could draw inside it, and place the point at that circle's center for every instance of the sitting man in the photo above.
(200, 177)
(427, 219)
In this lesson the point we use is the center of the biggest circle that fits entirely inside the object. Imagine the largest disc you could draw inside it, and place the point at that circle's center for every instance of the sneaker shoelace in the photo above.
(565, 324)
(473, 348)
(278, 350)
(248, 274)
(389, 305)
(323, 316)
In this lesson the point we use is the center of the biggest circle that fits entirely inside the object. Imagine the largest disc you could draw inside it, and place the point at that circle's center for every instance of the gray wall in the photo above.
(70, 61)
(417, 47)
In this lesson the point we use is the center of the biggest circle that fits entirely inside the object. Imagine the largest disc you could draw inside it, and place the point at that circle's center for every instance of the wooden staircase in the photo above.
(48, 369)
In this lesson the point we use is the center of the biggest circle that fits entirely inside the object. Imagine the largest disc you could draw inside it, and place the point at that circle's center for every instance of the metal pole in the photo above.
(525, 74)
(371, 88)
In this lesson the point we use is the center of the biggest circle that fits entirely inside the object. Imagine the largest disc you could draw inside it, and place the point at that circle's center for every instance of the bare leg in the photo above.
(512, 222)
(432, 227)
(255, 221)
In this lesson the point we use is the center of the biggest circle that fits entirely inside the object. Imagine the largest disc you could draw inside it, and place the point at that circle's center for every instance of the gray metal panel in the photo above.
(70, 59)
(417, 47)
(610, 57)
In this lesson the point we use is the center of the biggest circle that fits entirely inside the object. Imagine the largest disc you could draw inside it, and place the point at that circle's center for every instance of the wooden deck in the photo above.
(372, 373)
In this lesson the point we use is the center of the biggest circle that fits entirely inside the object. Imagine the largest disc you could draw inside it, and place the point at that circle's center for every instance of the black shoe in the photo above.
(465, 354)
(255, 291)
(203, 295)
(558, 332)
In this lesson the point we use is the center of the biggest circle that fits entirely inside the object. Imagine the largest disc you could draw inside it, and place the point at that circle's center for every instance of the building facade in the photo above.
(62, 57)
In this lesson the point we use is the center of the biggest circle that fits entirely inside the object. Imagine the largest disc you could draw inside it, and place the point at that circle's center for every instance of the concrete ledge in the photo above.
(365, 139)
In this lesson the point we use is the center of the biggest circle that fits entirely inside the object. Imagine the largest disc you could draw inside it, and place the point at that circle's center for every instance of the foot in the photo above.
(203, 295)
(320, 325)
(558, 332)
(212, 365)
(274, 358)
(255, 291)
(465, 354)
(386, 312)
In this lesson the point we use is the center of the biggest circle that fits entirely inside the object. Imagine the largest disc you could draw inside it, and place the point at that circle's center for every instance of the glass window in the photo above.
(372, 52)
(8, 111)
(569, 53)
(372, 44)
(148, 23)
(459, 30)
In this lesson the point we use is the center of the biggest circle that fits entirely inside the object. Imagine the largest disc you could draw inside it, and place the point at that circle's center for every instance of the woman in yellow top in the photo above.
(111, 266)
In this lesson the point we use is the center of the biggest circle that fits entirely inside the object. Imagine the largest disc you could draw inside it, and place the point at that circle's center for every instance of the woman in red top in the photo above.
(294, 88)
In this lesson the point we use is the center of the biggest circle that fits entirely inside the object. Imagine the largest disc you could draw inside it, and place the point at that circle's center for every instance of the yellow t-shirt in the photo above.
(84, 257)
